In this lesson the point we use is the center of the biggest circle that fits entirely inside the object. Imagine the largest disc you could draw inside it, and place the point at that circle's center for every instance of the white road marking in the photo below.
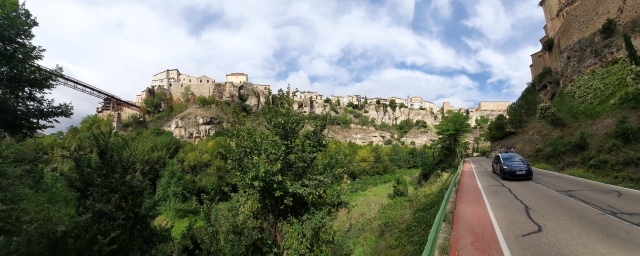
(503, 244)
(588, 206)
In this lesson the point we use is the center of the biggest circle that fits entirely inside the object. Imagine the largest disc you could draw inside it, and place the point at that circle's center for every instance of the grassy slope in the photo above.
(377, 225)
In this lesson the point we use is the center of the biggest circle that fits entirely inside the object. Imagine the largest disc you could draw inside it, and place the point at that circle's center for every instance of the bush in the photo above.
(608, 28)
(400, 187)
(547, 45)
(204, 101)
(546, 72)
(625, 132)
(548, 114)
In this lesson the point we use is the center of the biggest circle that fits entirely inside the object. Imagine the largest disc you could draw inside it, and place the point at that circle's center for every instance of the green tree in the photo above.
(115, 207)
(157, 102)
(608, 28)
(631, 50)
(186, 94)
(279, 182)
(453, 127)
(393, 105)
(23, 85)
(400, 187)
(498, 129)
(482, 121)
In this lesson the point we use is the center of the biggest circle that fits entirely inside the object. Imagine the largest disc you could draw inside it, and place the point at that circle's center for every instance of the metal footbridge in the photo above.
(110, 102)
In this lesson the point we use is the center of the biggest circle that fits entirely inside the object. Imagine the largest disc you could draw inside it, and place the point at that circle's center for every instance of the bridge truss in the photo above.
(110, 101)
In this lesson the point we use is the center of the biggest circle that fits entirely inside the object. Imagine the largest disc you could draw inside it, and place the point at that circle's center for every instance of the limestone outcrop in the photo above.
(193, 128)
(358, 134)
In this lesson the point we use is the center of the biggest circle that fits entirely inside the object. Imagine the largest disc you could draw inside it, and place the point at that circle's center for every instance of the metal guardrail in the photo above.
(432, 241)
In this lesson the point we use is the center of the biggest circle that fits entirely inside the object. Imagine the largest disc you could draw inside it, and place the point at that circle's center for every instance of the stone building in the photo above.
(416, 102)
(398, 100)
(237, 78)
(175, 82)
(493, 105)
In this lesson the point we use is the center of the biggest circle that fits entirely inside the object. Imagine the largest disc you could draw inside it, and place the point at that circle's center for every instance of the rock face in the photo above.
(358, 134)
(419, 137)
(387, 115)
(193, 128)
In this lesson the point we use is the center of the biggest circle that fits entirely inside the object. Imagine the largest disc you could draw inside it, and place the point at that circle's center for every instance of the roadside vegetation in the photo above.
(272, 185)
(269, 183)
(590, 129)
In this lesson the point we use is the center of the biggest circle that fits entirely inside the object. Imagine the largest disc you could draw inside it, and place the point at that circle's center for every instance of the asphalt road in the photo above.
(556, 214)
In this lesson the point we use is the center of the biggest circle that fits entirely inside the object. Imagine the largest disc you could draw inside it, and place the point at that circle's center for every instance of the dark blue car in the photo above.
(511, 166)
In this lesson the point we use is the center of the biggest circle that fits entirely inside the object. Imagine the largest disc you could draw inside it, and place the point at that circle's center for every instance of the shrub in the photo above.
(546, 72)
(400, 187)
(608, 28)
(547, 45)
(548, 113)
(422, 123)
(580, 144)
(625, 132)
(632, 97)
(204, 101)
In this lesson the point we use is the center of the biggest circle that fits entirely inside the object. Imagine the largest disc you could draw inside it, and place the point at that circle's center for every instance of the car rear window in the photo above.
(512, 158)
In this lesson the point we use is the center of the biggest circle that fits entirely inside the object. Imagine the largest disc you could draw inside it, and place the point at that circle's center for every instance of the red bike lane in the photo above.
(473, 231)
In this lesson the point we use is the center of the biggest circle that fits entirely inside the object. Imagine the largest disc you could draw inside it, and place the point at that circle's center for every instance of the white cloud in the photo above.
(333, 47)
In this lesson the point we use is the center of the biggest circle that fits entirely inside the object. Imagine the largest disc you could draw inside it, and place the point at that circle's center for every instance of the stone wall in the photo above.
(587, 16)
(539, 60)
(578, 45)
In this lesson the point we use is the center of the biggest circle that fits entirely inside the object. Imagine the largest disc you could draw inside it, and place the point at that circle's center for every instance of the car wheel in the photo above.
(502, 176)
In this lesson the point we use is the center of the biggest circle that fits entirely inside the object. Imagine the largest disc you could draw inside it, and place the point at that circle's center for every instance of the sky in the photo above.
(458, 51)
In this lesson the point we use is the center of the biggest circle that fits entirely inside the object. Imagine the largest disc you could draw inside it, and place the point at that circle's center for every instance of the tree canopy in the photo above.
(24, 86)
(452, 128)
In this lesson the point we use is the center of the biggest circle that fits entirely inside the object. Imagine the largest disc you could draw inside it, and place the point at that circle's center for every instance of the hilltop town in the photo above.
(237, 87)
(174, 83)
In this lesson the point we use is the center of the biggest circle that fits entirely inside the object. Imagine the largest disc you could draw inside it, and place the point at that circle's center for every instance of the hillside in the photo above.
(591, 128)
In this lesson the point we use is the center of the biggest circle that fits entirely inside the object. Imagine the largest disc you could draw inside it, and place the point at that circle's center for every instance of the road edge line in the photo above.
(588, 206)
(503, 244)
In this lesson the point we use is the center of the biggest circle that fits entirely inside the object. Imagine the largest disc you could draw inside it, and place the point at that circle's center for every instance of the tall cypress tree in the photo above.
(631, 50)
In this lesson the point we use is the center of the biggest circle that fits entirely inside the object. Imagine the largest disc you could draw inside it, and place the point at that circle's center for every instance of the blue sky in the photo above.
(461, 51)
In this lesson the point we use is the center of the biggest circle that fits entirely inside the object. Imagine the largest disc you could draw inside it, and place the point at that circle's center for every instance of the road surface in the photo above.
(556, 214)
